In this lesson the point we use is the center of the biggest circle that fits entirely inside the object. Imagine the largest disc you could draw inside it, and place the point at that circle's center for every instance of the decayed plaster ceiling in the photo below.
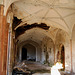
(58, 14)
(37, 35)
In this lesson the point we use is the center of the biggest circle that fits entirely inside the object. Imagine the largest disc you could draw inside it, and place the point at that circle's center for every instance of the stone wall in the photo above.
(47, 51)
(62, 38)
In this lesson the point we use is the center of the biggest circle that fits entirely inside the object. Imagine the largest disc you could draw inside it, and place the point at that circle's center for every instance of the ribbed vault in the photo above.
(55, 13)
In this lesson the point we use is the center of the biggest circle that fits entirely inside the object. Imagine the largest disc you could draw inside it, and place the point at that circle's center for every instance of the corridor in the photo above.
(38, 34)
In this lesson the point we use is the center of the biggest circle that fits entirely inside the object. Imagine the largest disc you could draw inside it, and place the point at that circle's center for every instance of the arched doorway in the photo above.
(36, 47)
(63, 56)
(24, 54)
(29, 52)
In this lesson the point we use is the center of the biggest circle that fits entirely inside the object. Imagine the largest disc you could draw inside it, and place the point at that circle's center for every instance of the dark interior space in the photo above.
(63, 57)
(16, 22)
(24, 54)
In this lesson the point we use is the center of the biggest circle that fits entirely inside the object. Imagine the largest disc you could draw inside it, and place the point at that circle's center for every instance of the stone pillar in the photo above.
(3, 42)
(1, 21)
(4, 46)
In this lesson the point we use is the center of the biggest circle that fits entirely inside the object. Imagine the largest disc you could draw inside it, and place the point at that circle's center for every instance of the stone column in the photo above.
(5, 48)
(3, 42)
(4, 45)
(1, 21)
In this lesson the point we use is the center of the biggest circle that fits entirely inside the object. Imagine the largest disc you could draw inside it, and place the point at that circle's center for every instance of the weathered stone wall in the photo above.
(47, 51)
(67, 56)
(50, 49)
(62, 38)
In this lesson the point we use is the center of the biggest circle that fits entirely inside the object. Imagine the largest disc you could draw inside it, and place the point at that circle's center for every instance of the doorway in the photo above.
(24, 54)
(63, 57)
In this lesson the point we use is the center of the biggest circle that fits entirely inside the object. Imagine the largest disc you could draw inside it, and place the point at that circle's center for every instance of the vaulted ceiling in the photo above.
(58, 14)
(37, 35)
(55, 13)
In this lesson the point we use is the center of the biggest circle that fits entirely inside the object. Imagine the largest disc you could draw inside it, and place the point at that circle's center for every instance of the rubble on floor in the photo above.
(32, 67)
(35, 68)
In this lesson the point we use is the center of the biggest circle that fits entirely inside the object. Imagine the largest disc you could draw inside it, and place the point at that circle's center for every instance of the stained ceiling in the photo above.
(37, 35)
(58, 14)
(55, 13)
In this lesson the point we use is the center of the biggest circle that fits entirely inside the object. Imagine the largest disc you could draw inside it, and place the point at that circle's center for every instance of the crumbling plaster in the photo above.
(62, 15)
(47, 51)
(35, 44)
(62, 38)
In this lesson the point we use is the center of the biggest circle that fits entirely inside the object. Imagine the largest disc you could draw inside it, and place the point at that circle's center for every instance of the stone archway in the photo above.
(29, 52)
(63, 56)
(62, 45)
(34, 44)
(24, 54)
